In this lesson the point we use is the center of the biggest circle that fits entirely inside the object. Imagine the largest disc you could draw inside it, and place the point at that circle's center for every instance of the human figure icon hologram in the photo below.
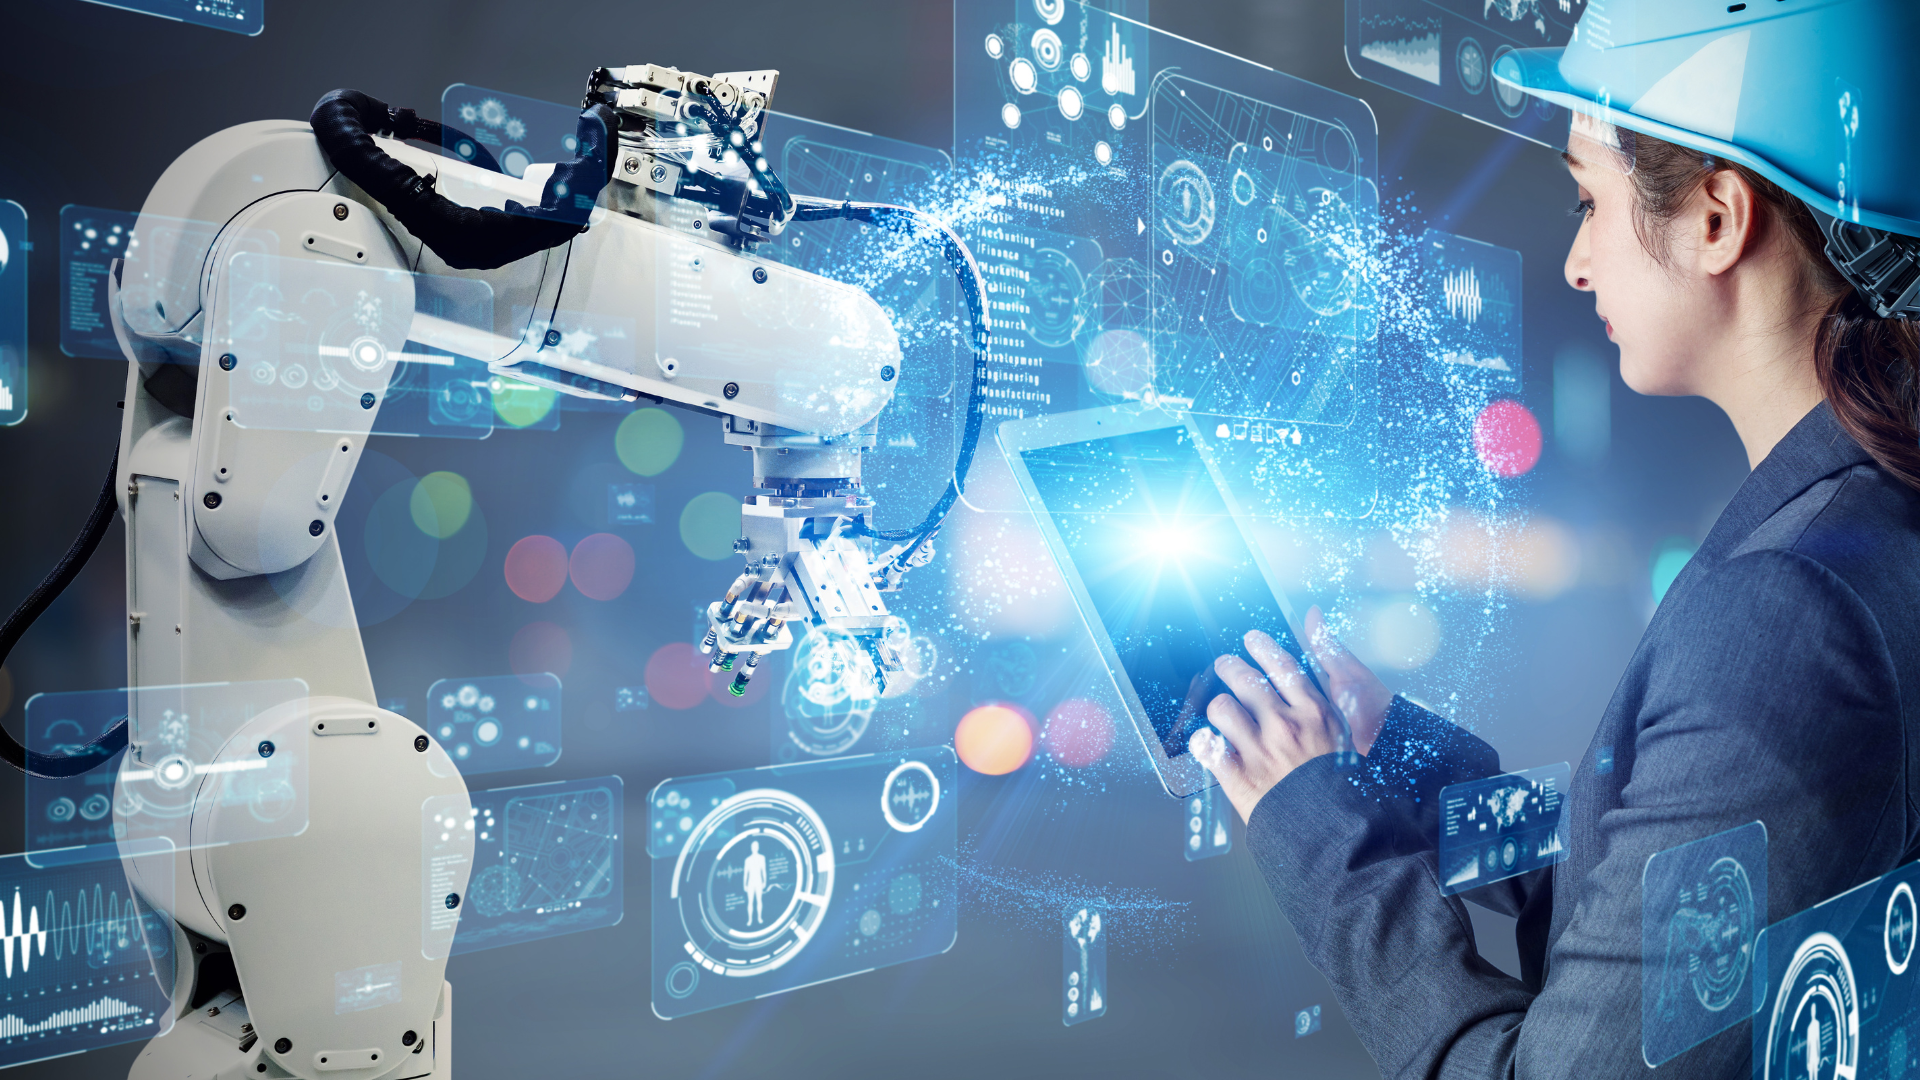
(755, 883)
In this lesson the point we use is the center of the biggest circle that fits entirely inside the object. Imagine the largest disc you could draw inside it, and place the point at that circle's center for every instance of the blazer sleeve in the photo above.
(1416, 755)
(1770, 696)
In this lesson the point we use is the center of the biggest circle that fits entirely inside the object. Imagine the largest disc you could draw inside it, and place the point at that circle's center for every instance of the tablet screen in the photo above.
(1165, 566)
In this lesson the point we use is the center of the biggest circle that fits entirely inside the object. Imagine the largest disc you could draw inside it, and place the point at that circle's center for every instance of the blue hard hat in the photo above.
(1822, 97)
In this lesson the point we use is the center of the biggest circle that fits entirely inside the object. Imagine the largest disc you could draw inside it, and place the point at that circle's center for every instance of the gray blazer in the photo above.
(1779, 681)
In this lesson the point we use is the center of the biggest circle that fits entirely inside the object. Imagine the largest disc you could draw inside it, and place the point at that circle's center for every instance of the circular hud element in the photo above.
(1902, 919)
(830, 693)
(1814, 1033)
(753, 882)
(910, 796)
(1726, 948)
(1511, 99)
(1470, 60)
(1184, 198)
(1054, 288)
(1318, 251)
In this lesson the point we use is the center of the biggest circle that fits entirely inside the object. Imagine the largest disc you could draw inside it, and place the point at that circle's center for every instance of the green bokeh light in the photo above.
(710, 524)
(519, 404)
(648, 441)
(441, 503)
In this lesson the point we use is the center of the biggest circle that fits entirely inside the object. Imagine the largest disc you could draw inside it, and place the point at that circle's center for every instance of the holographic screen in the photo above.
(1165, 224)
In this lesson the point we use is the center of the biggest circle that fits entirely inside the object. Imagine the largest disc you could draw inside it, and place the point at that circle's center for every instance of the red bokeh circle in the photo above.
(677, 676)
(1507, 438)
(1078, 733)
(537, 568)
(601, 566)
(540, 646)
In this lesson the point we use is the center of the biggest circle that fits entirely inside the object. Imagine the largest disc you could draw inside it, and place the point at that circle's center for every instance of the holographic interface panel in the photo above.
(1444, 51)
(497, 722)
(1500, 826)
(1702, 907)
(1166, 224)
(82, 963)
(1083, 964)
(241, 747)
(1835, 994)
(14, 247)
(545, 858)
(1207, 831)
(772, 879)
(247, 17)
(1473, 301)
(90, 239)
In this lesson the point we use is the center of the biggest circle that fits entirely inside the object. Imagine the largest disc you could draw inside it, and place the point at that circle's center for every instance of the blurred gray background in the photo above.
(99, 101)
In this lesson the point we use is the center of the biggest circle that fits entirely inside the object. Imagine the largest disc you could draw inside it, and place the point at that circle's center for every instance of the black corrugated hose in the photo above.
(59, 766)
(345, 122)
(966, 272)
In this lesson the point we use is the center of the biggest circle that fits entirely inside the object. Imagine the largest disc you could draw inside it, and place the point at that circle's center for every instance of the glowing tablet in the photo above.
(1153, 548)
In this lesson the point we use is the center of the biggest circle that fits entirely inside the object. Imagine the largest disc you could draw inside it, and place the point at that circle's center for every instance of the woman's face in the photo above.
(1652, 312)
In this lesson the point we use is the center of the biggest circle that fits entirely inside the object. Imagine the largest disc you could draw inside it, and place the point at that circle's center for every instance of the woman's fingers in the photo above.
(1227, 767)
(1231, 717)
(1252, 688)
(1328, 650)
(1218, 755)
(1282, 670)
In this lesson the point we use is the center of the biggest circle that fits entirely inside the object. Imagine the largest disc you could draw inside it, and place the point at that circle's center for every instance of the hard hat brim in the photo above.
(1537, 73)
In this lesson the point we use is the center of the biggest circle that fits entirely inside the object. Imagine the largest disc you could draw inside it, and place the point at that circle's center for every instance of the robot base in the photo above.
(217, 1042)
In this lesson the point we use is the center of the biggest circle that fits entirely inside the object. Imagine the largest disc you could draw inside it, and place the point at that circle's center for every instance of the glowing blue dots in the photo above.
(1010, 115)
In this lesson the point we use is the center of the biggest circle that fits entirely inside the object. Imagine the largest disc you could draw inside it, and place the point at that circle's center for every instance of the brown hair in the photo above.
(1866, 364)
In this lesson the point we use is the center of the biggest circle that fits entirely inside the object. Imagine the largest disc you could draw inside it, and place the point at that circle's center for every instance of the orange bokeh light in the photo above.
(994, 739)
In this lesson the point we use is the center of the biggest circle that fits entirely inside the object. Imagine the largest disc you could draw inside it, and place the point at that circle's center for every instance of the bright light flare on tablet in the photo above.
(1178, 540)
(1174, 539)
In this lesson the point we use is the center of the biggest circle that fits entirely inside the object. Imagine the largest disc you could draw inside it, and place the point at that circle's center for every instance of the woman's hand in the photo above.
(1356, 691)
(1275, 722)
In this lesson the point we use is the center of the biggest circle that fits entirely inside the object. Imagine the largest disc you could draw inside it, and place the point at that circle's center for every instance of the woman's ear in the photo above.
(1721, 221)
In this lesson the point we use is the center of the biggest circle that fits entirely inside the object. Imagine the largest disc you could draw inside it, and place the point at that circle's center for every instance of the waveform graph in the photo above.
(1461, 289)
(909, 796)
(1471, 315)
(84, 962)
(1414, 50)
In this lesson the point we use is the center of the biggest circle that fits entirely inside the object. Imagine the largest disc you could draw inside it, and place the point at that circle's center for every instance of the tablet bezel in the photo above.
(1182, 775)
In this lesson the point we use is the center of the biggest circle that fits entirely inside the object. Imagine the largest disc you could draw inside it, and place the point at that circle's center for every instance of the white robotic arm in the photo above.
(230, 486)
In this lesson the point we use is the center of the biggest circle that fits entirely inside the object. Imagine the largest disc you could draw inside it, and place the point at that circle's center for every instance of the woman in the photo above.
(1779, 680)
